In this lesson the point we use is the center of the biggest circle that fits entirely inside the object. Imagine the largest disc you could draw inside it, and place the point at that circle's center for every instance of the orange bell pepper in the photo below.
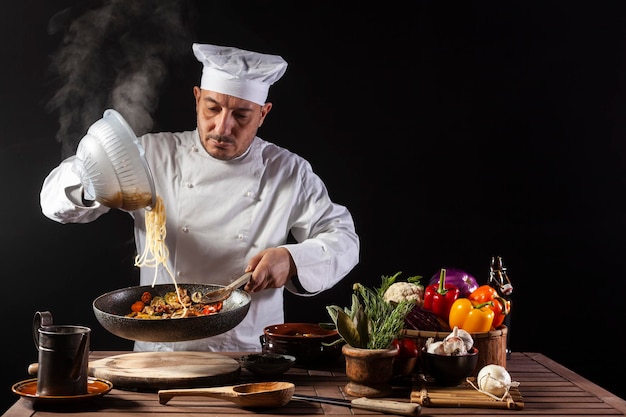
(501, 307)
(471, 316)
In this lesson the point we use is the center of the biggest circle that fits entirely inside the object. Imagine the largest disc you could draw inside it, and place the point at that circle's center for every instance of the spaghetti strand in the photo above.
(156, 253)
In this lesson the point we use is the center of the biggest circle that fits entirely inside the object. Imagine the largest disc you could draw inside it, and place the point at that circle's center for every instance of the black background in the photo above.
(454, 131)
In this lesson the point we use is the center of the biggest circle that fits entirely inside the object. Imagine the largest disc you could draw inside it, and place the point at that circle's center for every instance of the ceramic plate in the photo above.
(96, 387)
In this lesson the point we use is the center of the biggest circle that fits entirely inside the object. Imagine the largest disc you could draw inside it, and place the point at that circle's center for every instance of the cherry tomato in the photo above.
(146, 297)
(137, 306)
(407, 348)
(211, 308)
(405, 362)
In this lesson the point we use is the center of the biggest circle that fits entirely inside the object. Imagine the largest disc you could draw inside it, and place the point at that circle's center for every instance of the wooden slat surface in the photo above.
(428, 394)
(547, 388)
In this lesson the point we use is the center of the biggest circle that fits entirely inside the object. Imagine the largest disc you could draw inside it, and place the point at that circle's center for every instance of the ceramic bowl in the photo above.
(114, 168)
(308, 342)
(267, 364)
(449, 370)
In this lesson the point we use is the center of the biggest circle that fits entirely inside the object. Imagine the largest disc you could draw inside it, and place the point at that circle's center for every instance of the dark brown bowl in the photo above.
(309, 343)
(449, 370)
(267, 364)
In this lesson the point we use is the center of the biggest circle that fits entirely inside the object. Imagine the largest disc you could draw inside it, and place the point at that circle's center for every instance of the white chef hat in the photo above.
(237, 72)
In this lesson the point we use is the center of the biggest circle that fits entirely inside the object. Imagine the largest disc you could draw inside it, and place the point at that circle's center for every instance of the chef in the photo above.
(234, 202)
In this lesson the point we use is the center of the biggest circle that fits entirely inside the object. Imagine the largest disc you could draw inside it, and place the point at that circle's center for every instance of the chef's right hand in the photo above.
(272, 268)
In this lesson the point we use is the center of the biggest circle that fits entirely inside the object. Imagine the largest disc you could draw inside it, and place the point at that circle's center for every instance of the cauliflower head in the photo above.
(401, 291)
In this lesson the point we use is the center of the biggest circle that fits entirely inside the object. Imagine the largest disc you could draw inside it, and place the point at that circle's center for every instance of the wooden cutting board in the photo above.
(150, 371)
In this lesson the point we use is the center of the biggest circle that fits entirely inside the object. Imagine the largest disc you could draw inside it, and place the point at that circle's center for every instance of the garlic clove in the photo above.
(464, 335)
(436, 348)
(454, 346)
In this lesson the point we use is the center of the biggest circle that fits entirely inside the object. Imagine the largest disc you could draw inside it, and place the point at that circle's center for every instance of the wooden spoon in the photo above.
(223, 293)
(258, 394)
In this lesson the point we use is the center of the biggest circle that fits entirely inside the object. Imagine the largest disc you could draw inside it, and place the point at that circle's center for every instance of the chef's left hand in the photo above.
(272, 268)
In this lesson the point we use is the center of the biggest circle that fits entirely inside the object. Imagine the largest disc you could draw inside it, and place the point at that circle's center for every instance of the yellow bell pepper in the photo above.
(471, 316)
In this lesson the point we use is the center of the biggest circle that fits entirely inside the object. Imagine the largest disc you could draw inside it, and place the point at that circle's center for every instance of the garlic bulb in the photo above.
(464, 335)
(495, 380)
(434, 347)
(456, 343)
(459, 342)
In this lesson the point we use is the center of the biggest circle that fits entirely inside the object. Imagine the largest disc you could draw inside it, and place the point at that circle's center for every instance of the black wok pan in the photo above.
(111, 308)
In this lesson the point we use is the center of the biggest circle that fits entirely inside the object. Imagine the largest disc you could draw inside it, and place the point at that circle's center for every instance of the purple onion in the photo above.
(465, 282)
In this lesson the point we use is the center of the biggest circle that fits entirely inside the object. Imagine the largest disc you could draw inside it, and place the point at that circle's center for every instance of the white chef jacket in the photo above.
(221, 213)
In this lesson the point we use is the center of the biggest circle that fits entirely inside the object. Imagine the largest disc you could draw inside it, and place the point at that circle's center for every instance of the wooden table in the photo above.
(547, 388)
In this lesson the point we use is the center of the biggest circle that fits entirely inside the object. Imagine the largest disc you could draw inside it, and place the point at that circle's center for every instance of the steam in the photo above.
(115, 55)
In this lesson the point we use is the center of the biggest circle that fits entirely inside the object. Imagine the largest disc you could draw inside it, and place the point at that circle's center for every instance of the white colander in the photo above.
(113, 167)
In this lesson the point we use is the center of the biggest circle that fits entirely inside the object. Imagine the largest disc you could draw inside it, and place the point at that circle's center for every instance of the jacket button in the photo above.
(185, 229)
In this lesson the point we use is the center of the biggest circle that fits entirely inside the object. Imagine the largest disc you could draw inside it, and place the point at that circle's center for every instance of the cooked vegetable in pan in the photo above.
(169, 306)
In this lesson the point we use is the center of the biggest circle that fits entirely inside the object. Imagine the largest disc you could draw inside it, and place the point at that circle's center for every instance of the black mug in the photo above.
(63, 357)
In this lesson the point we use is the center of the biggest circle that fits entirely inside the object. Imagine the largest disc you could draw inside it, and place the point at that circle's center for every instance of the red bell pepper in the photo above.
(439, 297)
(500, 306)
